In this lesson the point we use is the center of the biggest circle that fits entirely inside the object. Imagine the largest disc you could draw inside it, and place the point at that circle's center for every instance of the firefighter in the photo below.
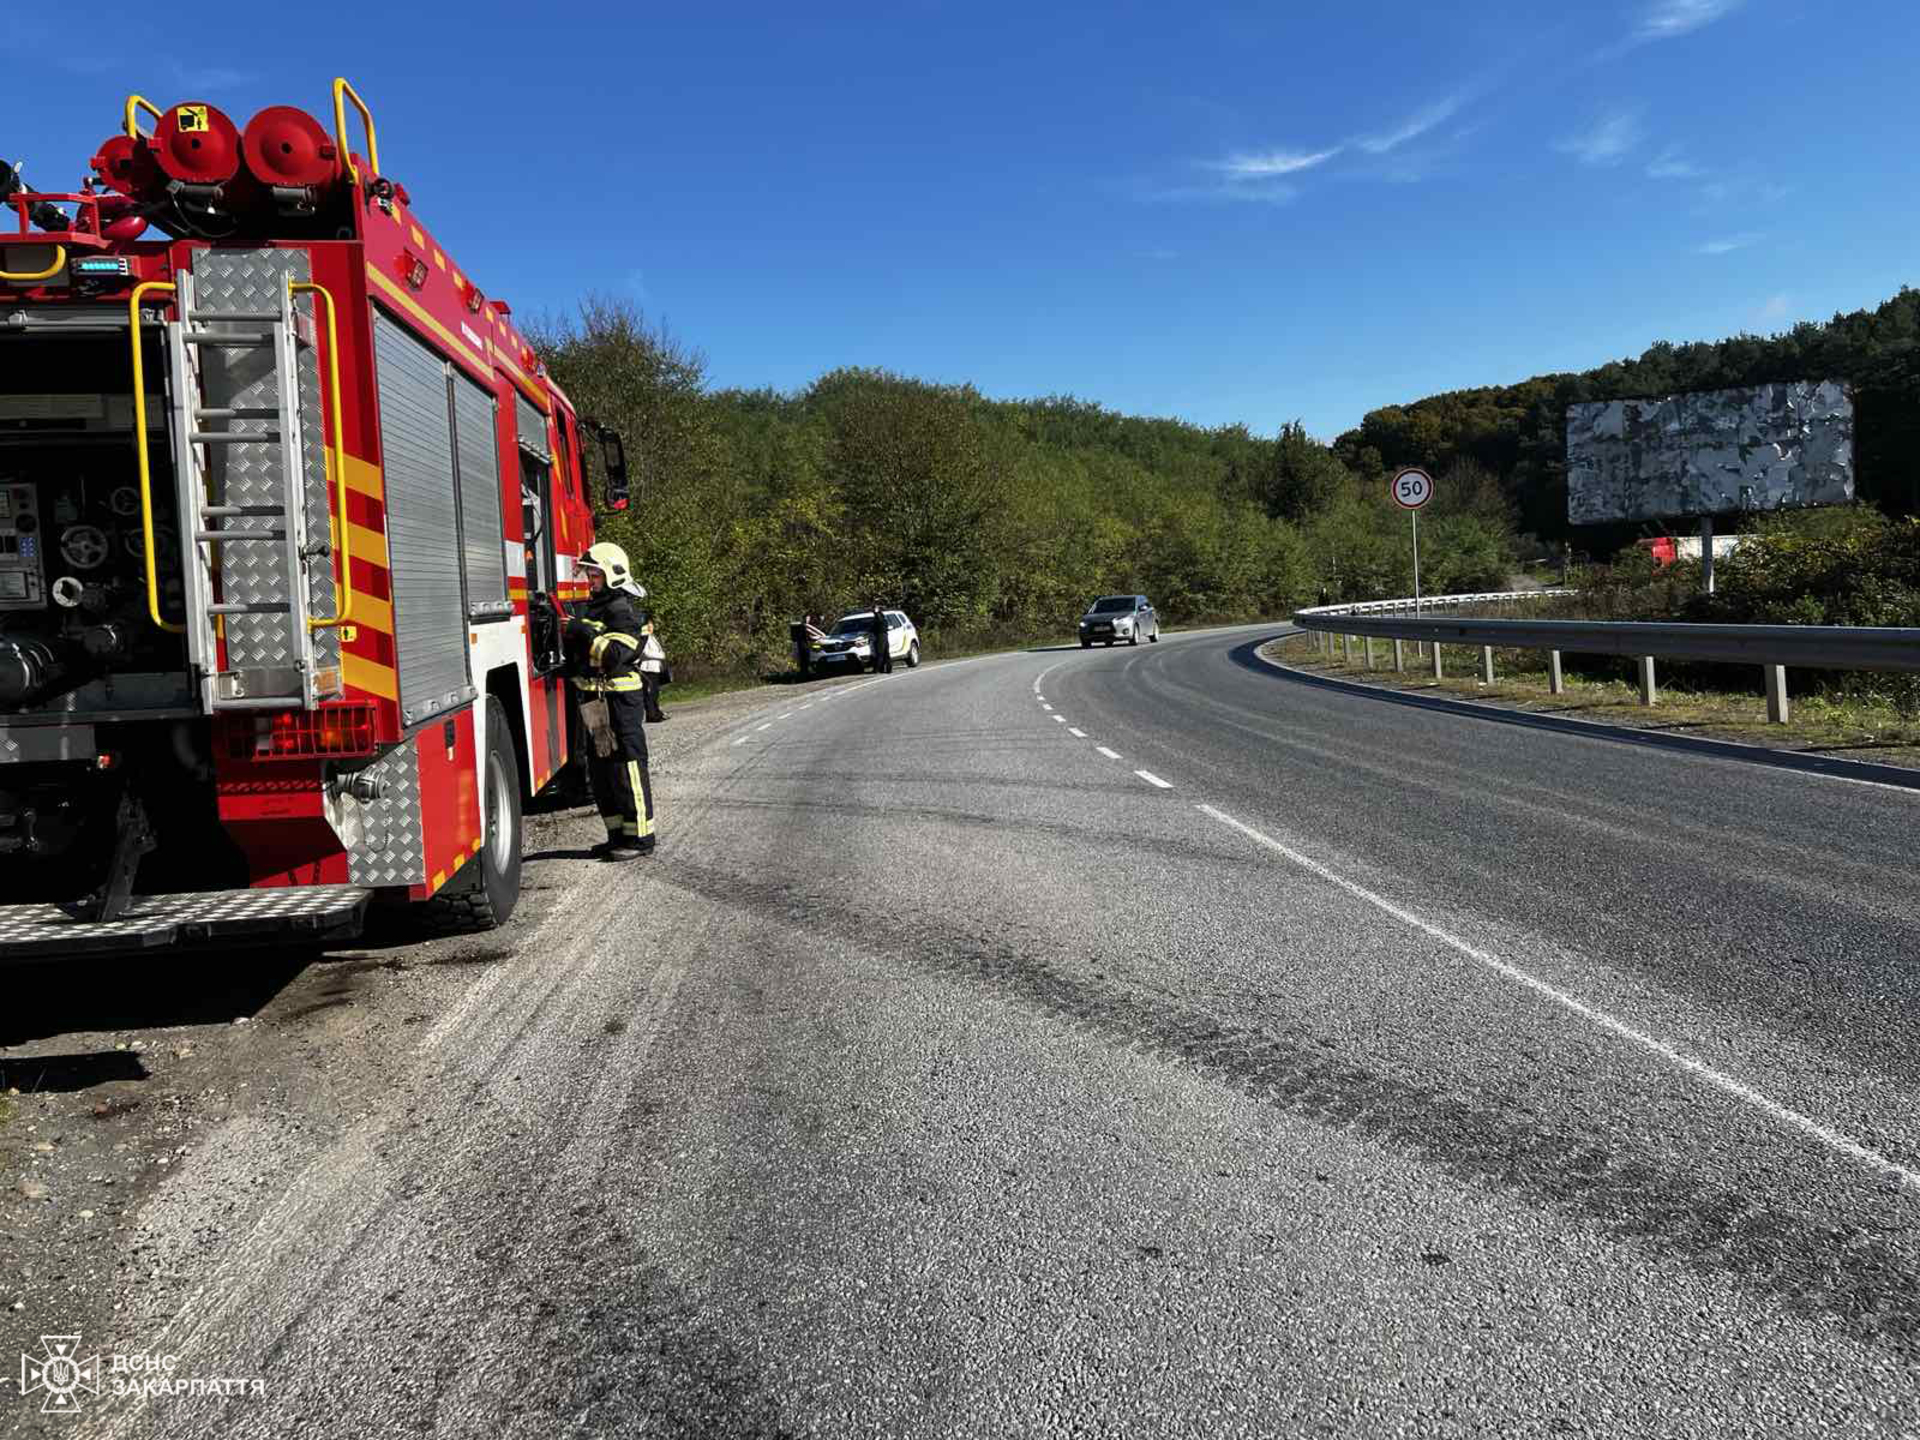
(605, 645)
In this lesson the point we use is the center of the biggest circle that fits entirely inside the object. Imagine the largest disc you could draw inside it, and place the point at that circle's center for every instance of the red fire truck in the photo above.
(276, 486)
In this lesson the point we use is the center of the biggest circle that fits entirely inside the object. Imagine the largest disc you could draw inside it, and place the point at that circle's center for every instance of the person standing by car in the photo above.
(654, 670)
(882, 642)
(799, 633)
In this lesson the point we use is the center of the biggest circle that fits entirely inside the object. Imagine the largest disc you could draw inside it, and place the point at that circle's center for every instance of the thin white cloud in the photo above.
(1729, 244)
(1608, 141)
(1670, 164)
(1670, 19)
(1414, 126)
(1269, 164)
(1262, 192)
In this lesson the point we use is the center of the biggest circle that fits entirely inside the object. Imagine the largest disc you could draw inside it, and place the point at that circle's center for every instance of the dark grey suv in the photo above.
(1119, 617)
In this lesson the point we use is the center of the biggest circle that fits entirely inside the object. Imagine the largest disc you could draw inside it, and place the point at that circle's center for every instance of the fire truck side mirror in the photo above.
(613, 457)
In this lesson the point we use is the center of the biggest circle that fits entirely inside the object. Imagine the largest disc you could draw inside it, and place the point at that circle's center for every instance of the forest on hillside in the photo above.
(996, 521)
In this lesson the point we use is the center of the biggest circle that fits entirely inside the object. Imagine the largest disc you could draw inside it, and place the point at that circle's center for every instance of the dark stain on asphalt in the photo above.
(636, 1358)
(1099, 836)
(1848, 1274)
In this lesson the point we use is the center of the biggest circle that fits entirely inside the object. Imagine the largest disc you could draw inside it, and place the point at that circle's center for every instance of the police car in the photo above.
(850, 642)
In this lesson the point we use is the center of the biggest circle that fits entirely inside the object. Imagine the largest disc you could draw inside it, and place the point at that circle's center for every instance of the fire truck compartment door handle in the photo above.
(146, 287)
(343, 92)
(335, 459)
(59, 264)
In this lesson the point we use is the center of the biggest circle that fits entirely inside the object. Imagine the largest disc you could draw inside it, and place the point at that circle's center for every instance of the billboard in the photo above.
(1717, 452)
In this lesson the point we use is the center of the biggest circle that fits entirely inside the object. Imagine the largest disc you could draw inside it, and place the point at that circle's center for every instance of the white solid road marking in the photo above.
(1739, 1090)
(1153, 779)
(1110, 754)
(1077, 734)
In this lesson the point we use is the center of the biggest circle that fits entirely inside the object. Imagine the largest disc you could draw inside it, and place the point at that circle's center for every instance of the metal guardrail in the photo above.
(1773, 647)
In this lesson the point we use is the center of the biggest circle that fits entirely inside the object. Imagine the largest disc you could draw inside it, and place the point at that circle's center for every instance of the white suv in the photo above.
(850, 642)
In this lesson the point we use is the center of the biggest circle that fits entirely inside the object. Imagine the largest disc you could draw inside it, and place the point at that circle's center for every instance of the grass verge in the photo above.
(1819, 725)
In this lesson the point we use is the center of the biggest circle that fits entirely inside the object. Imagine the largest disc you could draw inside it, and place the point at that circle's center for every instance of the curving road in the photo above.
(1136, 1042)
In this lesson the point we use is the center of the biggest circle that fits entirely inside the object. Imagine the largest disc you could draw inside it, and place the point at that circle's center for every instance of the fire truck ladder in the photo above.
(243, 490)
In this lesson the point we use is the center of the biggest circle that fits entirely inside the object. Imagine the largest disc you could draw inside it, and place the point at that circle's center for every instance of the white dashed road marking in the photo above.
(1721, 1081)
(1060, 719)
(743, 740)
(767, 726)
(1077, 734)
(1110, 754)
(1154, 780)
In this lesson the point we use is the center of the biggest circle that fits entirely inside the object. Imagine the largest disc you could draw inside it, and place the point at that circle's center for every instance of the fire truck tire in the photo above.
(487, 899)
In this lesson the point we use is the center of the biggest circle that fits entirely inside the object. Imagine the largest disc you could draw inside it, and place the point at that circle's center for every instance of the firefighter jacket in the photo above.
(605, 645)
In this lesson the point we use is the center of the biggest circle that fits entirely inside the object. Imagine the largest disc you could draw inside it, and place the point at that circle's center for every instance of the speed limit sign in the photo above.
(1412, 488)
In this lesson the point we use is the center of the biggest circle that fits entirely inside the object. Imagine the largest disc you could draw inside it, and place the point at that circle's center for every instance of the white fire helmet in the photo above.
(611, 561)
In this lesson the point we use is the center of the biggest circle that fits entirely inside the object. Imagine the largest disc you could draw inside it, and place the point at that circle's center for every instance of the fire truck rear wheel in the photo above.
(488, 898)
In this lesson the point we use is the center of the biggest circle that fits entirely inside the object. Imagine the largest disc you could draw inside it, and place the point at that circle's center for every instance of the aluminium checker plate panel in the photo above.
(155, 922)
(384, 838)
(253, 281)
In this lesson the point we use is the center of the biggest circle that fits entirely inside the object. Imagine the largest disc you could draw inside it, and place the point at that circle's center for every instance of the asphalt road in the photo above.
(1352, 1070)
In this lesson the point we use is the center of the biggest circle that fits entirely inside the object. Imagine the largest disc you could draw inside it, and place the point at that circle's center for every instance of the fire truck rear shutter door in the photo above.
(478, 452)
(423, 533)
(533, 429)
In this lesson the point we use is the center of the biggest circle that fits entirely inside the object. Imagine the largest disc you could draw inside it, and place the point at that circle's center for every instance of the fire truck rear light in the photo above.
(336, 731)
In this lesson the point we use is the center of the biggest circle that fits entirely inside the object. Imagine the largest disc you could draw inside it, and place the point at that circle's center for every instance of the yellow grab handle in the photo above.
(336, 474)
(59, 264)
(140, 445)
(343, 92)
(135, 104)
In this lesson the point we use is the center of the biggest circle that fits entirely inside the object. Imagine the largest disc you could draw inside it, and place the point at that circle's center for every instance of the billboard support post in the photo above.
(1706, 553)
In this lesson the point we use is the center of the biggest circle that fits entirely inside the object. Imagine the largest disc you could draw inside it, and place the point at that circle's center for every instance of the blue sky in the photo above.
(1229, 213)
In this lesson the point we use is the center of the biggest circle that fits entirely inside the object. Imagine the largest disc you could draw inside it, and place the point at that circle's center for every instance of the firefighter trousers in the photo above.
(623, 790)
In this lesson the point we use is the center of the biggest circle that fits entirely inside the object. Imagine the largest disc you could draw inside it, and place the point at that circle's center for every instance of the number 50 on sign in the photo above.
(1412, 489)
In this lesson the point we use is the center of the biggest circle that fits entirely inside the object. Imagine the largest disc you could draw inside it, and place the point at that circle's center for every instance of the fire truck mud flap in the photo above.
(305, 913)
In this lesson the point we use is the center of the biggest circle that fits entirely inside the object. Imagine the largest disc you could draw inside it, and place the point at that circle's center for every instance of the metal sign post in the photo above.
(1411, 489)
